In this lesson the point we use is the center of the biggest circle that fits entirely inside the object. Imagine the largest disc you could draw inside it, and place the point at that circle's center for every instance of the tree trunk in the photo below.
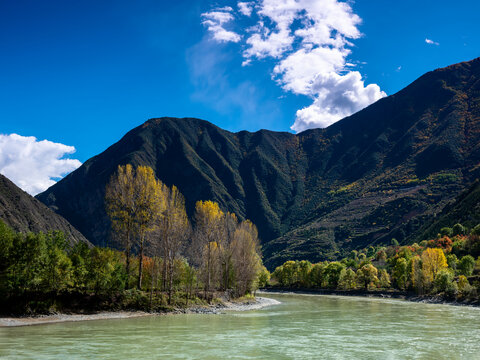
(127, 255)
(140, 264)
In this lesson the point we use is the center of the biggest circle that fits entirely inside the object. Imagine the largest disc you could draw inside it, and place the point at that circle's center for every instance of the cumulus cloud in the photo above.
(215, 21)
(33, 165)
(431, 42)
(245, 8)
(309, 41)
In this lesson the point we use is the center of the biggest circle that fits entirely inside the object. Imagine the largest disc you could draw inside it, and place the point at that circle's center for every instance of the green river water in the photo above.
(301, 327)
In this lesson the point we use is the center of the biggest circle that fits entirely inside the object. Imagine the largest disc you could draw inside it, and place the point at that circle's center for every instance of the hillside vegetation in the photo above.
(376, 175)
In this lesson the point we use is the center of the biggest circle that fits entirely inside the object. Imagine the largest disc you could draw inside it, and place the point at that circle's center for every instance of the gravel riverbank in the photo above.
(257, 303)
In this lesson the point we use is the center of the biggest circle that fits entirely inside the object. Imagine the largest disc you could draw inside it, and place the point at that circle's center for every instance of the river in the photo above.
(301, 327)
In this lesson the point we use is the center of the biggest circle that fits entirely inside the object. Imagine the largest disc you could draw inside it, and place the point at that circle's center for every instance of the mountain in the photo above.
(372, 176)
(24, 213)
(464, 210)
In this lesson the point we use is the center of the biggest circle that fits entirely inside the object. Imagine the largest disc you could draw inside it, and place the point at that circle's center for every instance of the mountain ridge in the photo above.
(24, 213)
(369, 177)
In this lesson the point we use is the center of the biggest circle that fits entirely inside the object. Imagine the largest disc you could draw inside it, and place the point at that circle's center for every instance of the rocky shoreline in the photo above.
(254, 304)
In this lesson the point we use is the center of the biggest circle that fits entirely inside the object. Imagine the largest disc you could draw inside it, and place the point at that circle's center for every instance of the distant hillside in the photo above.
(377, 174)
(464, 210)
(24, 213)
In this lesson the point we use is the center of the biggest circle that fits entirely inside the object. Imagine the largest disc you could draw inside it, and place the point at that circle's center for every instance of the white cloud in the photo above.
(33, 165)
(215, 20)
(337, 96)
(431, 42)
(245, 8)
(309, 41)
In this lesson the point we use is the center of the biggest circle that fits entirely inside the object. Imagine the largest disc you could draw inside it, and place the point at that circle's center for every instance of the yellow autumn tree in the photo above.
(134, 201)
(208, 230)
(433, 260)
(121, 209)
(174, 229)
(246, 257)
(150, 203)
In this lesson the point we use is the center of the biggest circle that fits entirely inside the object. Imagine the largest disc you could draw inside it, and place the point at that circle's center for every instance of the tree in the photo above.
(452, 261)
(400, 273)
(433, 260)
(444, 282)
(57, 266)
(134, 201)
(347, 280)
(384, 279)
(304, 268)
(316, 274)
(122, 208)
(417, 277)
(332, 273)
(446, 231)
(367, 276)
(208, 229)
(458, 229)
(466, 265)
(228, 227)
(246, 258)
(149, 199)
(263, 277)
(174, 229)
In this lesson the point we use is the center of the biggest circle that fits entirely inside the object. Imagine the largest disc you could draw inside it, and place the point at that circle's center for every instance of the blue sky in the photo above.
(81, 74)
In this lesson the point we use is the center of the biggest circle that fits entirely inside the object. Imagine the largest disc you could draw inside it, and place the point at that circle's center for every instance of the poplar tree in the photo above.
(121, 209)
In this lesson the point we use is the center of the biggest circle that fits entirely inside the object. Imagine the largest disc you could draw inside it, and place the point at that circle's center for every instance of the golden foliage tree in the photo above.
(245, 256)
(433, 260)
(208, 230)
(121, 209)
(134, 201)
(174, 229)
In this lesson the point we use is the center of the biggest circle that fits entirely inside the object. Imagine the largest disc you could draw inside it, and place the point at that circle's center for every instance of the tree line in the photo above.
(149, 217)
(448, 265)
(161, 257)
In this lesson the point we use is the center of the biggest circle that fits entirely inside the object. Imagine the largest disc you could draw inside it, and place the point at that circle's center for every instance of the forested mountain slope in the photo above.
(377, 174)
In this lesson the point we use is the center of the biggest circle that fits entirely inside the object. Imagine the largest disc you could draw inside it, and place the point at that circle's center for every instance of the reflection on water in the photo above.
(301, 327)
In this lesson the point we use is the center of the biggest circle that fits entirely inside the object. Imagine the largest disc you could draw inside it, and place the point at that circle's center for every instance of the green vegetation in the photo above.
(444, 266)
(169, 262)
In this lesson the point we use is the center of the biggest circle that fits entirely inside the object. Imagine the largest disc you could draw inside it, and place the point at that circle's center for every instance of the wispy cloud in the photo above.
(212, 79)
(33, 165)
(431, 42)
(309, 42)
(215, 21)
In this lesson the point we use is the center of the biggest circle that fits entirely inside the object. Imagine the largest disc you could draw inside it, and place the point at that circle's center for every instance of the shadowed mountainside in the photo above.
(372, 176)
(24, 213)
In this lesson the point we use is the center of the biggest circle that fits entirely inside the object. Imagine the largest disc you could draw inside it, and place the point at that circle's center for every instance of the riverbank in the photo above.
(242, 305)
(403, 295)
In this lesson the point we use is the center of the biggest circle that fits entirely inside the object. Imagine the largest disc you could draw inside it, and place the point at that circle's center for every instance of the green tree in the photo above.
(400, 273)
(317, 275)
(367, 276)
(384, 279)
(446, 231)
(452, 261)
(347, 280)
(332, 273)
(458, 229)
(466, 265)
(444, 282)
